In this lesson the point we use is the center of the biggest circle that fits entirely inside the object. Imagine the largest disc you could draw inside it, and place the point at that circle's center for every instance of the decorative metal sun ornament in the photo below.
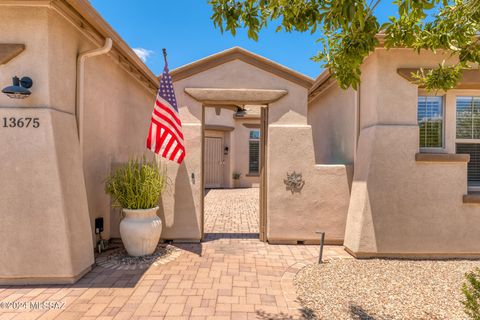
(294, 182)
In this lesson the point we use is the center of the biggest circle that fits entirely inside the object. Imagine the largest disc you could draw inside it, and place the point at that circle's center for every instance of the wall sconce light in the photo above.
(19, 89)
(225, 150)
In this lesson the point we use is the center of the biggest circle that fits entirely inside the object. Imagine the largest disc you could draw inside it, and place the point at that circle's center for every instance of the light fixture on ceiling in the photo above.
(19, 89)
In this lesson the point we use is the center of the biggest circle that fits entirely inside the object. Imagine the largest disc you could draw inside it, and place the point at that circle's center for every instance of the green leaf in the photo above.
(350, 30)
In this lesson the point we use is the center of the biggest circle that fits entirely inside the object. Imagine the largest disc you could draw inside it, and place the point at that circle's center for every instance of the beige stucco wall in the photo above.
(323, 201)
(399, 206)
(28, 26)
(47, 226)
(117, 118)
(44, 222)
(117, 111)
(225, 118)
(181, 203)
(332, 116)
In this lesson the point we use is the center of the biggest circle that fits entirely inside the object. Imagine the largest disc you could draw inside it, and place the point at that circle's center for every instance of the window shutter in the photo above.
(254, 156)
(473, 149)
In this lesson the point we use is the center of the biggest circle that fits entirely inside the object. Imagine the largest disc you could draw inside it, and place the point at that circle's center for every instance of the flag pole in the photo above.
(165, 55)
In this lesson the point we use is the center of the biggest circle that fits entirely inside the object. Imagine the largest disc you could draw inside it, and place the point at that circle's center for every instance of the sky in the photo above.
(184, 28)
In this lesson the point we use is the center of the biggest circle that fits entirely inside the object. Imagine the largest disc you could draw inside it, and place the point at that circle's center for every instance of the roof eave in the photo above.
(86, 10)
(234, 53)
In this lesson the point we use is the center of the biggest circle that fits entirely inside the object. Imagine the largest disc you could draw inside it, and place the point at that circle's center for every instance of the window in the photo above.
(254, 152)
(430, 121)
(468, 117)
(468, 135)
(473, 149)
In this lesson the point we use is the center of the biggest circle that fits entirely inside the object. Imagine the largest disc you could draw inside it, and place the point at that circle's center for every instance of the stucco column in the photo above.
(44, 222)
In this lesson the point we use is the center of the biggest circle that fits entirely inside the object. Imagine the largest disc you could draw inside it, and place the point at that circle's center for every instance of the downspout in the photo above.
(79, 107)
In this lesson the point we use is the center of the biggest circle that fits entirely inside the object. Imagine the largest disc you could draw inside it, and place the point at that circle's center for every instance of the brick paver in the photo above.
(232, 211)
(221, 278)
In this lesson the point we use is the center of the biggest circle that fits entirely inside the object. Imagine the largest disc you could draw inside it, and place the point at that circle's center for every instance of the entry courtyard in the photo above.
(230, 275)
(233, 275)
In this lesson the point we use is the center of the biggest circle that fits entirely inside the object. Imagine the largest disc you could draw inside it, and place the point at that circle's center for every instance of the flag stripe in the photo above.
(171, 149)
(149, 138)
(160, 136)
(180, 159)
(167, 147)
(155, 128)
(169, 111)
(175, 151)
(168, 121)
(164, 127)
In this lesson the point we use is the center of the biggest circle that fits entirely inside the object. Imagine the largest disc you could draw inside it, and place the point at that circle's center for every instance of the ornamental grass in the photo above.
(136, 185)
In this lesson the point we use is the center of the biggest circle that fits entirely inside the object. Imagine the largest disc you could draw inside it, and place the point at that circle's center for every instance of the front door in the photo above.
(213, 162)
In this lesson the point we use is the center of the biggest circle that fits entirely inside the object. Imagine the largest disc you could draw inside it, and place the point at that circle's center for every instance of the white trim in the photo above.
(473, 188)
(289, 126)
(443, 148)
(477, 141)
(433, 150)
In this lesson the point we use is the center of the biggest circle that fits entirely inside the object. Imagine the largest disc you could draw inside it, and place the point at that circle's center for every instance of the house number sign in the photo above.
(20, 122)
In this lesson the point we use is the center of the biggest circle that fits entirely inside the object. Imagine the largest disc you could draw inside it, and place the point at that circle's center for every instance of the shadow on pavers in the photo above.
(305, 313)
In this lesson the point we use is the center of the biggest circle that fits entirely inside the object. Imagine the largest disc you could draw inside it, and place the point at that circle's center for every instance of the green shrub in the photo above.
(136, 185)
(471, 290)
(236, 176)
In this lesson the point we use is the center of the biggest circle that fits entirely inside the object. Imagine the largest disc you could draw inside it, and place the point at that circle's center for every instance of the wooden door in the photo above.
(213, 162)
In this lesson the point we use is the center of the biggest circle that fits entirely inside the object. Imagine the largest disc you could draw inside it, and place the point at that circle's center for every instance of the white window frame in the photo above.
(441, 149)
(251, 173)
(463, 140)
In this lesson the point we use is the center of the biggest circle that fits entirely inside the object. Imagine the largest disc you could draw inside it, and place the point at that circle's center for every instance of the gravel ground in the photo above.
(119, 259)
(384, 289)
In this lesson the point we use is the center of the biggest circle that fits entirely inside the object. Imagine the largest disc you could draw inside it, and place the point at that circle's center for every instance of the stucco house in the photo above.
(388, 170)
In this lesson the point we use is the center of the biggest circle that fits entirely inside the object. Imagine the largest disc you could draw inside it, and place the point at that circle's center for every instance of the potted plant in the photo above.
(236, 179)
(136, 188)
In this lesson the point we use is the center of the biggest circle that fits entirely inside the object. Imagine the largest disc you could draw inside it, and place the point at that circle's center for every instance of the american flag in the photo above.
(165, 136)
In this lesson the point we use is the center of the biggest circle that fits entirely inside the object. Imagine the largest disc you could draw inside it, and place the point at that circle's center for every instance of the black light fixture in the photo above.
(19, 89)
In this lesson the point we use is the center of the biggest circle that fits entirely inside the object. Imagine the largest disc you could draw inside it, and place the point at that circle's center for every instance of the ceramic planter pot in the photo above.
(140, 231)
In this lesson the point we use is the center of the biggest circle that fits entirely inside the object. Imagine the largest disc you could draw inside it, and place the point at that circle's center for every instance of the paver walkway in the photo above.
(232, 210)
(222, 278)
